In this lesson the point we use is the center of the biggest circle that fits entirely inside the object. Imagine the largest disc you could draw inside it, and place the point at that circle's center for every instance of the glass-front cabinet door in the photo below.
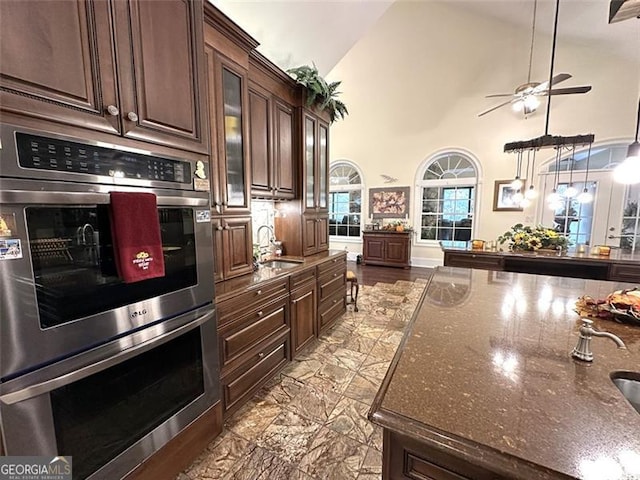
(230, 159)
(310, 162)
(323, 162)
(233, 141)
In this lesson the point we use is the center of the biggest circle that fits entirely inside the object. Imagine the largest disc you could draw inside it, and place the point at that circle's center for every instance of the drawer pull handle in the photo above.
(335, 301)
(113, 110)
(294, 301)
(260, 313)
(259, 292)
(335, 274)
(335, 260)
(261, 355)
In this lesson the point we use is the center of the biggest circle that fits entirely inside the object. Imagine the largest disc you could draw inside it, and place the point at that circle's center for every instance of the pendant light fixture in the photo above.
(531, 192)
(546, 140)
(554, 199)
(517, 182)
(571, 191)
(586, 196)
(628, 172)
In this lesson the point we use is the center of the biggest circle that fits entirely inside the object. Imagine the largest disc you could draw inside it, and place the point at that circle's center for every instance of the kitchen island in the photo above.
(618, 266)
(483, 384)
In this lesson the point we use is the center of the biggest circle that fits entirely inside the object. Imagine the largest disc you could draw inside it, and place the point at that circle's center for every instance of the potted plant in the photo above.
(319, 92)
(525, 238)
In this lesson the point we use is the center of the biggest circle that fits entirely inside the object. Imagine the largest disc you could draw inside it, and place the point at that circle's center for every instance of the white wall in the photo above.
(416, 82)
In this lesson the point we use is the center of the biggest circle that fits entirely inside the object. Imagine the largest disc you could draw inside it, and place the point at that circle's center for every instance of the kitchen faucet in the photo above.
(582, 351)
(270, 239)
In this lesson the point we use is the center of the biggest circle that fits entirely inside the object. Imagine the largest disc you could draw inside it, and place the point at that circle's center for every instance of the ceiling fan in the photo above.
(525, 97)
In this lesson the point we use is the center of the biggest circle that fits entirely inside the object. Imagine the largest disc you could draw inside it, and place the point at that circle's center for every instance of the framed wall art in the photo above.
(389, 202)
(503, 197)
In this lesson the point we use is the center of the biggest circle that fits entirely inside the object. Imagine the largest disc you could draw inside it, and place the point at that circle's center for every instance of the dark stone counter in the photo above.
(484, 376)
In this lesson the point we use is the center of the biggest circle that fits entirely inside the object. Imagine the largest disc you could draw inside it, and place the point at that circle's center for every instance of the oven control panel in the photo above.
(66, 156)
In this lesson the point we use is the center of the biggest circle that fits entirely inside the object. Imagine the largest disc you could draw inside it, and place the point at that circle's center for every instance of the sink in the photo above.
(629, 385)
(280, 263)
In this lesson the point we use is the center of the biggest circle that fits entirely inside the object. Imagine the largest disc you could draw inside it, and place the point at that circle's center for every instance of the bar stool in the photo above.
(352, 279)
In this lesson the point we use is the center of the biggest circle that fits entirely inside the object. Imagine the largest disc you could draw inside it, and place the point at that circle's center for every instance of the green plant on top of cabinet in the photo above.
(127, 68)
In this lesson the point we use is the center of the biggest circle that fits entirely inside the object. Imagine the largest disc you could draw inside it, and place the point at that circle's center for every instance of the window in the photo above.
(448, 197)
(345, 201)
(610, 218)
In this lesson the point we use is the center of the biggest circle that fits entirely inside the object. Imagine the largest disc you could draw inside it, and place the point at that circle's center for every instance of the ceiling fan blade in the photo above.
(561, 77)
(496, 107)
(567, 91)
(498, 95)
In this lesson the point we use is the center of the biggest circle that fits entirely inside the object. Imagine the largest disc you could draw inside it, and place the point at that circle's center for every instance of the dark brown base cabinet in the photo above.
(391, 249)
(304, 308)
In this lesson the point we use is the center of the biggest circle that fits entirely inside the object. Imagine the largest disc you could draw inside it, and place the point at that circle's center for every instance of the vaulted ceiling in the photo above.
(296, 32)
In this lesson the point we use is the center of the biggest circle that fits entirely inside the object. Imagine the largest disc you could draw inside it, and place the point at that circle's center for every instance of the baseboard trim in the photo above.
(426, 262)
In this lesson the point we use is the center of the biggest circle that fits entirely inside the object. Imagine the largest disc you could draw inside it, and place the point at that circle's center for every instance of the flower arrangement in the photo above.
(528, 238)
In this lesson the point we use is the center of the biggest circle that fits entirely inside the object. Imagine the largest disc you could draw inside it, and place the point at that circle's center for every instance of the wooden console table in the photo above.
(388, 248)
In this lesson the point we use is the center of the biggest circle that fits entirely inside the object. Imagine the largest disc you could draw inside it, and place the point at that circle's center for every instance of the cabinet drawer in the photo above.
(473, 260)
(331, 283)
(256, 371)
(230, 309)
(409, 459)
(331, 308)
(298, 279)
(237, 338)
(624, 273)
(330, 265)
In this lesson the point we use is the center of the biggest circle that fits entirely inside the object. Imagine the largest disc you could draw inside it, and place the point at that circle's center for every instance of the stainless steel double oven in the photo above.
(91, 367)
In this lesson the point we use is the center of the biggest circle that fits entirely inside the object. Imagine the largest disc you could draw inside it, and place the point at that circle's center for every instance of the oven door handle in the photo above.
(62, 380)
(96, 197)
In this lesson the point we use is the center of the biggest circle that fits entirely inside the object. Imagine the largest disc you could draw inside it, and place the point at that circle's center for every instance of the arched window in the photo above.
(447, 186)
(345, 200)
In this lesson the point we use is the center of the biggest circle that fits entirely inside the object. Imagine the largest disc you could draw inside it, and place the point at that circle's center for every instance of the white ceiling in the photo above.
(296, 32)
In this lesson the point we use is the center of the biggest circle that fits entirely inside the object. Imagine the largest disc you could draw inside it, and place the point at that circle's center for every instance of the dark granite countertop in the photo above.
(234, 286)
(484, 371)
(616, 255)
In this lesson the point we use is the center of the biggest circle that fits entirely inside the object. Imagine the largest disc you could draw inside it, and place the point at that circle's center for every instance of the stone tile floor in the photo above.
(310, 421)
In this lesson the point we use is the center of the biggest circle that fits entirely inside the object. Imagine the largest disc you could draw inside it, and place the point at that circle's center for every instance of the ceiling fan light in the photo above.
(585, 197)
(633, 150)
(531, 102)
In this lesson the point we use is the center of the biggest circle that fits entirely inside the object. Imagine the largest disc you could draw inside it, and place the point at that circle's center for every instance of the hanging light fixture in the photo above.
(571, 190)
(531, 192)
(517, 182)
(586, 196)
(628, 172)
(547, 140)
(554, 196)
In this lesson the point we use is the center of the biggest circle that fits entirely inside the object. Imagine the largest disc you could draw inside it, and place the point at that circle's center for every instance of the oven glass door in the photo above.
(73, 261)
(99, 417)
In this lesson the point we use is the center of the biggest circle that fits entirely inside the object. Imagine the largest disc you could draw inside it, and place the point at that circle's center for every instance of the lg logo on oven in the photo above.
(137, 314)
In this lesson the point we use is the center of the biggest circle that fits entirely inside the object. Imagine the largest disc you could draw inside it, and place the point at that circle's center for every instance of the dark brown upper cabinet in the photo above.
(315, 139)
(272, 145)
(129, 68)
(272, 129)
(228, 116)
